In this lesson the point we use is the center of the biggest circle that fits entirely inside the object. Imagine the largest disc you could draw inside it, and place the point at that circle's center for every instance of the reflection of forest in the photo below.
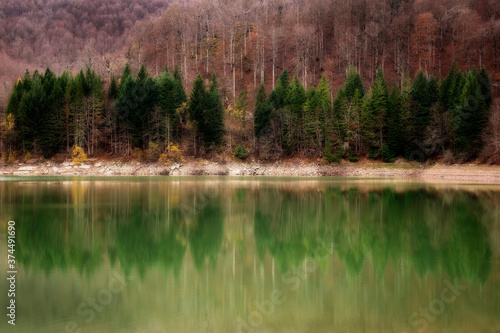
(136, 225)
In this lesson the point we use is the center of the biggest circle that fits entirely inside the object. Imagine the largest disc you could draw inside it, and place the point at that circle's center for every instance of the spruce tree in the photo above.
(263, 111)
(126, 73)
(394, 135)
(169, 102)
(280, 92)
(373, 115)
(51, 131)
(469, 118)
(196, 103)
(113, 88)
(353, 82)
(292, 131)
(213, 131)
(446, 92)
(125, 106)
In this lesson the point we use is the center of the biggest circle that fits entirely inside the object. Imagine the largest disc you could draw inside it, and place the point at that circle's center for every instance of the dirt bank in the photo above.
(368, 169)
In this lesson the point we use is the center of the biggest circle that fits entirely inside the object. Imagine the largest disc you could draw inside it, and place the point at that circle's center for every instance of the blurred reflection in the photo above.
(207, 252)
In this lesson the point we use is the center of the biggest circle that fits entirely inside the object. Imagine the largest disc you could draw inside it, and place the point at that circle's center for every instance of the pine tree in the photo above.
(292, 131)
(340, 116)
(169, 101)
(354, 131)
(420, 109)
(394, 130)
(346, 113)
(311, 121)
(280, 92)
(196, 103)
(96, 110)
(126, 73)
(263, 112)
(13, 108)
(180, 93)
(213, 131)
(125, 105)
(113, 88)
(353, 82)
(373, 115)
(485, 86)
(77, 112)
(52, 131)
(31, 110)
(469, 118)
(445, 95)
(323, 95)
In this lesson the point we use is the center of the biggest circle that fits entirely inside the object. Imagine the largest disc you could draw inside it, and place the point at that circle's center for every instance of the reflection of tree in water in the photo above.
(48, 237)
(142, 242)
(206, 235)
(432, 233)
(291, 229)
(467, 254)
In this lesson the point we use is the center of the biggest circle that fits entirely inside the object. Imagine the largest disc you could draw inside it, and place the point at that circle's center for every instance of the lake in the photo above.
(218, 254)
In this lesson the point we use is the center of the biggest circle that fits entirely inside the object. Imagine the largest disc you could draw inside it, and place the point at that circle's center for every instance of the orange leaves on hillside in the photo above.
(425, 38)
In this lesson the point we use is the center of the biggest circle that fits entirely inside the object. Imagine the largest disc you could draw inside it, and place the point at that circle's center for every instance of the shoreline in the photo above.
(475, 173)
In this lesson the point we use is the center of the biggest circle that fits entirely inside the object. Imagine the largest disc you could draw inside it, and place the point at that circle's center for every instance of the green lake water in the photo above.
(216, 254)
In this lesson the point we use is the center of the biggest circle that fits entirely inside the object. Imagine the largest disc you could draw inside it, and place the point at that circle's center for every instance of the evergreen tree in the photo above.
(95, 114)
(125, 105)
(196, 103)
(169, 100)
(446, 92)
(373, 115)
(13, 109)
(77, 109)
(292, 132)
(126, 73)
(52, 131)
(280, 92)
(347, 113)
(353, 82)
(213, 131)
(485, 86)
(263, 112)
(420, 110)
(394, 130)
(311, 123)
(340, 105)
(469, 118)
(180, 93)
(354, 131)
(113, 88)
(31, 110)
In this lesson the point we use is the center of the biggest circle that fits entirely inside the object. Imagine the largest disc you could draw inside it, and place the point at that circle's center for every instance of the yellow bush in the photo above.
(153, 151)
(78, 155)
(27, 157)
(174, 154)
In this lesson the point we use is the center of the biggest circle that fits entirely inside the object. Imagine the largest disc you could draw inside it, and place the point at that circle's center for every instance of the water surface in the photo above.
(215, 254)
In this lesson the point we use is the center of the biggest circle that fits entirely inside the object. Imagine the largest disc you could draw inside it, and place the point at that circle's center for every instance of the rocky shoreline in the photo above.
(365, 169)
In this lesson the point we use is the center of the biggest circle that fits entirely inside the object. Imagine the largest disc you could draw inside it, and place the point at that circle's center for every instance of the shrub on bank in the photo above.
(78, 156)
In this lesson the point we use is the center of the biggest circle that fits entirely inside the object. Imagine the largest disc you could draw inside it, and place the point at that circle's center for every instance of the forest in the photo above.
(147, 116)
(268, 80)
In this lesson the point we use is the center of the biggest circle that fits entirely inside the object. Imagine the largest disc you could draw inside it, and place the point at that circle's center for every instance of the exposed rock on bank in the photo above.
(367, 169)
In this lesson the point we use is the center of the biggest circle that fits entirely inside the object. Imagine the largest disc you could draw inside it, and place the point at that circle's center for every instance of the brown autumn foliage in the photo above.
(246, 42)
(62, 34)
(252, 41)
